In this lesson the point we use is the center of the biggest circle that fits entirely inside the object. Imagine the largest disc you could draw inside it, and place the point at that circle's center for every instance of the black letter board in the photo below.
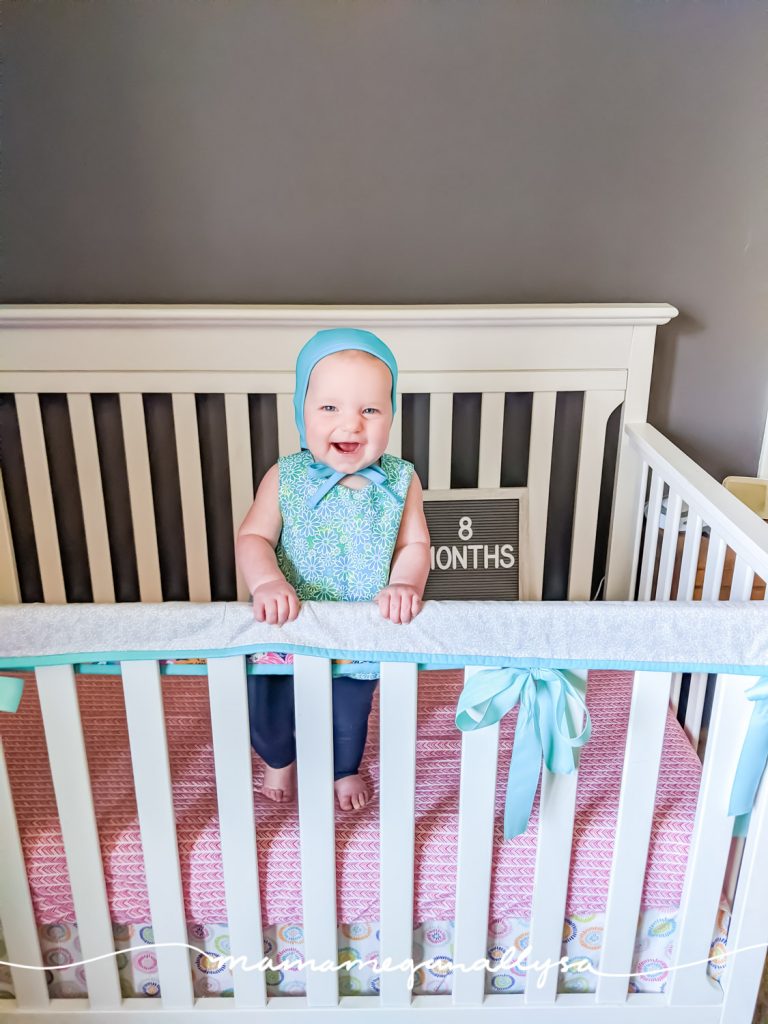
(475, 546)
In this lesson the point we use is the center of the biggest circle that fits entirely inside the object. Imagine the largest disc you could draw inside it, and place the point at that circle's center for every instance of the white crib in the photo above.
(602, 352)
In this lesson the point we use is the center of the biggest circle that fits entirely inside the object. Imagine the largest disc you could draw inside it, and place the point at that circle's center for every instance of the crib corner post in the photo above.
(628, 493)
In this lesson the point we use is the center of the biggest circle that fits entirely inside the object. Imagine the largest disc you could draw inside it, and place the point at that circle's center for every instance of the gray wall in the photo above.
(420, 151)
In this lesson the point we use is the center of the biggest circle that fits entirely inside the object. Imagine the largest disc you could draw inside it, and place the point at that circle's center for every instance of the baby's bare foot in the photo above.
(279, 783)
(351, 792)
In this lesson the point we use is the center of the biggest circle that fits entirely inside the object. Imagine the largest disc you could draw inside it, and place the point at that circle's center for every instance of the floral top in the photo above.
(341, 549)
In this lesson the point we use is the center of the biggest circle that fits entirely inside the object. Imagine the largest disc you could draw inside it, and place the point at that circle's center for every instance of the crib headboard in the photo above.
(133, 436)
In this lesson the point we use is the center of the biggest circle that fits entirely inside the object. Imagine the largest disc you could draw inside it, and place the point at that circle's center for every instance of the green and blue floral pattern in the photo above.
(341, 549)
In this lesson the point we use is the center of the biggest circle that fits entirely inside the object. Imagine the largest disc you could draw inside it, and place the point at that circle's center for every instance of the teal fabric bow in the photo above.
(10, 693)
(752, 760)
(545, 727)
(329, 477)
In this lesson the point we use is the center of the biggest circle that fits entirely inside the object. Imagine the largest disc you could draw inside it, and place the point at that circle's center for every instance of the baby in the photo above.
(338, 521)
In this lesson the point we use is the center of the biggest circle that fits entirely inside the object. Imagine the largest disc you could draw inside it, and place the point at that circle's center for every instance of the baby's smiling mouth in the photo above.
(346, 447)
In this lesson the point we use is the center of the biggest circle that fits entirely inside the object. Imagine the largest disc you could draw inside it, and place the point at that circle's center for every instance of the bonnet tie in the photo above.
(329, 477)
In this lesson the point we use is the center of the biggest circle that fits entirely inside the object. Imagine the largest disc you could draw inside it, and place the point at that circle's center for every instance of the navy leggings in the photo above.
(271, 717)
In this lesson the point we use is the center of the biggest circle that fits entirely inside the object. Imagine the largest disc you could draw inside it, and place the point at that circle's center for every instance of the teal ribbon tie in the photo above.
(545, 728)
(752, 760)
(329, 477)
(10, 693)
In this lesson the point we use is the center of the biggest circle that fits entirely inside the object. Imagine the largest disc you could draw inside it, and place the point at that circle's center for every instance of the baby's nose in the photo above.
(353, 422)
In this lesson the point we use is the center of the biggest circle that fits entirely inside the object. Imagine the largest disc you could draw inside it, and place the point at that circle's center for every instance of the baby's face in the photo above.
(348, 410)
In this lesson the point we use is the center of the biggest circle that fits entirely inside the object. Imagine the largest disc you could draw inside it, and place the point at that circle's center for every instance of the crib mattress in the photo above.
(357, 839)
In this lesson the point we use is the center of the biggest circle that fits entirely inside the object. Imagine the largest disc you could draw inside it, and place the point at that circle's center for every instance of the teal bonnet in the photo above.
(324, 343)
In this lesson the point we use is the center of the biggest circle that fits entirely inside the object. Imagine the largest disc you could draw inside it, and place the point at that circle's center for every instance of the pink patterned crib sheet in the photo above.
(357, 837)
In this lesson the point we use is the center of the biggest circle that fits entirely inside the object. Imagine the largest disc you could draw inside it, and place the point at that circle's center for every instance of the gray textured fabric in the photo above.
(609, 633)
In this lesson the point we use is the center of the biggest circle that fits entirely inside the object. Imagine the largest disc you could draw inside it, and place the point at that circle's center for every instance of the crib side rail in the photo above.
(479, 776)
(693, 540)
(681, 485)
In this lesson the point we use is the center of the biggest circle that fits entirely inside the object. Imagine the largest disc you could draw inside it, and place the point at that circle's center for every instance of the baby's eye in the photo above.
(328, 408)
(370, 409)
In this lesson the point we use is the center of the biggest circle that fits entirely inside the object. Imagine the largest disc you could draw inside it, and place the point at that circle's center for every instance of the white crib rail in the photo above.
(557, 804)
(71, 783)
(539, 473)
(240, 469)
(41, 497)
(21, 940)
(234, 792)
(91, 496)
(686, 989)
(747, 930)
(397, 761)
(688, 996)
(154, 799)
(479, 752)
(314, 761)
(601, 352)
(711, 840)
(730, 524)
(642, 758)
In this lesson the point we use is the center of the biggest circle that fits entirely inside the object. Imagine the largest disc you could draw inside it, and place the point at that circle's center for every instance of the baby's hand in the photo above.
(399, 602)
(275, 602)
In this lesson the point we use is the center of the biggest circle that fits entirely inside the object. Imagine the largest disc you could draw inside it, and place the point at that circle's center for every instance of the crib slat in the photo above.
(192, 504)
(651, 537)
(234, 789)
(694, 710)
(711, 840)
(287, 435)
(140, 493)
(674, 693)
(598, 406)
(741, 590)
(639, 519)
(397, 709)
(697, 690)
(440, 431)
(40, 497)
(642, 759)
(687, 581)
(690, 560)
(741, 980)
(539, 469)
(479, 753)
(742, 581)
(16, 911)
(669, 546)
(395, 445)
(713, 572)
(240, 469)
(10, 592)
(491, 438)
(550, 887)
(154, 800)
(314, 748)
(91, 496)
(72, 786)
